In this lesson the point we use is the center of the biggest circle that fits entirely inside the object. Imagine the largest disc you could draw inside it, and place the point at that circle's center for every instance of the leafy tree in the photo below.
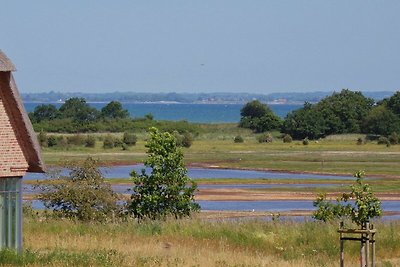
(343, 112)
(114, 110)
(44, 113)
(167, 190)
(381, 121)
(78, 110)
(393, 103)
(83, 194)
(365, 206)
(258, 117)
(305, 123)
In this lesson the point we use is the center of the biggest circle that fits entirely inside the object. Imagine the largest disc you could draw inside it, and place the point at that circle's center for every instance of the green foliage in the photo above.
(305, 122)
(76, 140)
(83, 194)
(149, 116)
(109, 142)
(42, 138)
(393, 103)
(44, 113)
(394, 138)
(383, 141)
(129, 139)
(238, 139)
(339, 113)
(167, 190)
(90, 141)
(364, 207)
(78, 110)
(114, 110)
(52, 141)
(287, 138)
(265, 138)
(306, 141)
(183, 140)
(258, 117)
(381, 121)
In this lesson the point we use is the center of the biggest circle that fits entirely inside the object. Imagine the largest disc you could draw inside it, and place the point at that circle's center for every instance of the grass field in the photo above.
(214, 146)
(193, 242)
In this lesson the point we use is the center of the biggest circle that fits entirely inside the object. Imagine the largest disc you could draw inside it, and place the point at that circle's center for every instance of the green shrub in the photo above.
(238, 139)
(90, 141)
(183, 140)
(360, 141)
(394, 138)
(306, 141)
(83, 194)
(129, 139)
(76, 140)
(265, 138)
(52, 141)
(287, 138)
(383, 141)
(42, 138)
(108, 142)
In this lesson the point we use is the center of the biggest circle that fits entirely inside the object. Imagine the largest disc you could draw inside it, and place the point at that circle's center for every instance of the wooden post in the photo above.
(341, 246)
(373, 247)
(366, 237)
(367, 244)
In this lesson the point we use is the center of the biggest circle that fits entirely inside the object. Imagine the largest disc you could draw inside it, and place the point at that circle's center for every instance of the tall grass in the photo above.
(194, 242)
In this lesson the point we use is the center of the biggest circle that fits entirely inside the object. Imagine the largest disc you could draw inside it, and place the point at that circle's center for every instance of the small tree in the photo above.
(365, 206)
(81, 195)
(167, 190)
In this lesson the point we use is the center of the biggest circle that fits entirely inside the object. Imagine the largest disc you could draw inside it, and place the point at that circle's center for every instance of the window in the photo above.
(10, 213)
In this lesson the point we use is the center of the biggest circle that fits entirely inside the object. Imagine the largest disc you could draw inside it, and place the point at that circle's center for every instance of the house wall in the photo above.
(12, 159)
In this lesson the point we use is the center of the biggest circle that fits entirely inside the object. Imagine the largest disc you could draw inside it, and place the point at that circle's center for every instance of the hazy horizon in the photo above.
(202, 47)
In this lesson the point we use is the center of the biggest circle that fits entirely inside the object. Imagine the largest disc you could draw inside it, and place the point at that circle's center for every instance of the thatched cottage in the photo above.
(19, 153)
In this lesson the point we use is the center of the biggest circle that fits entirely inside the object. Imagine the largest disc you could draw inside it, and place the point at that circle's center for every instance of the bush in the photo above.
(394, 138)
(42, 138)
(76, 139)
(90, 141)
(183, 140)
(129, 139)
(238, 139)
(360, 141)
(83, 194)
(108, 142)
(265, 138)
(287, 138)
(306, 141)
(52, 141)
(383, 141)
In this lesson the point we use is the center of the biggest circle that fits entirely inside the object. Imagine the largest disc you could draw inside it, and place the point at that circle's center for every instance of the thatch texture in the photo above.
(5, 63)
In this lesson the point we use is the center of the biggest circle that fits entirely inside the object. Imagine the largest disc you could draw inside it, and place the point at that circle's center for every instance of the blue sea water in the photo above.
(200, 113)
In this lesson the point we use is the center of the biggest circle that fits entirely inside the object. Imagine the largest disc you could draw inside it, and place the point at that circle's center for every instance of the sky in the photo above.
(256, 46)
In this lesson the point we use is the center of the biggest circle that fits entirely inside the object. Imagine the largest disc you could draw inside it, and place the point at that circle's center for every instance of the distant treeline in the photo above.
(339, 113)
(77, 116)
(289, 97)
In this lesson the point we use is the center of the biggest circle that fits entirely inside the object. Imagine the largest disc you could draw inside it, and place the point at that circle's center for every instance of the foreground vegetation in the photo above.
(193, 242)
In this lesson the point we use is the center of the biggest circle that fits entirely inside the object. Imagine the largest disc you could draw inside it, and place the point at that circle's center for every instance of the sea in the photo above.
(196, 113)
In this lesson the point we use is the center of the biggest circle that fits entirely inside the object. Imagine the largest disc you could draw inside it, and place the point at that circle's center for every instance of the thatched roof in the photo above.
(5, 63)
(28, 140)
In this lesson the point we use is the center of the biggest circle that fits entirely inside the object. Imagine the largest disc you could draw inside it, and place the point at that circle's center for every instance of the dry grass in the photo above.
(198, 242)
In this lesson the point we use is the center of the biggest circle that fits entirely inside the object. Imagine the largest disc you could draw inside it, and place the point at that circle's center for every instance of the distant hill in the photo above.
(278, 98)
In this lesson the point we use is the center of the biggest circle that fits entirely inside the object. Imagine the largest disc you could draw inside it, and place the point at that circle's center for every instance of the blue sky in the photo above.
(202, 46)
